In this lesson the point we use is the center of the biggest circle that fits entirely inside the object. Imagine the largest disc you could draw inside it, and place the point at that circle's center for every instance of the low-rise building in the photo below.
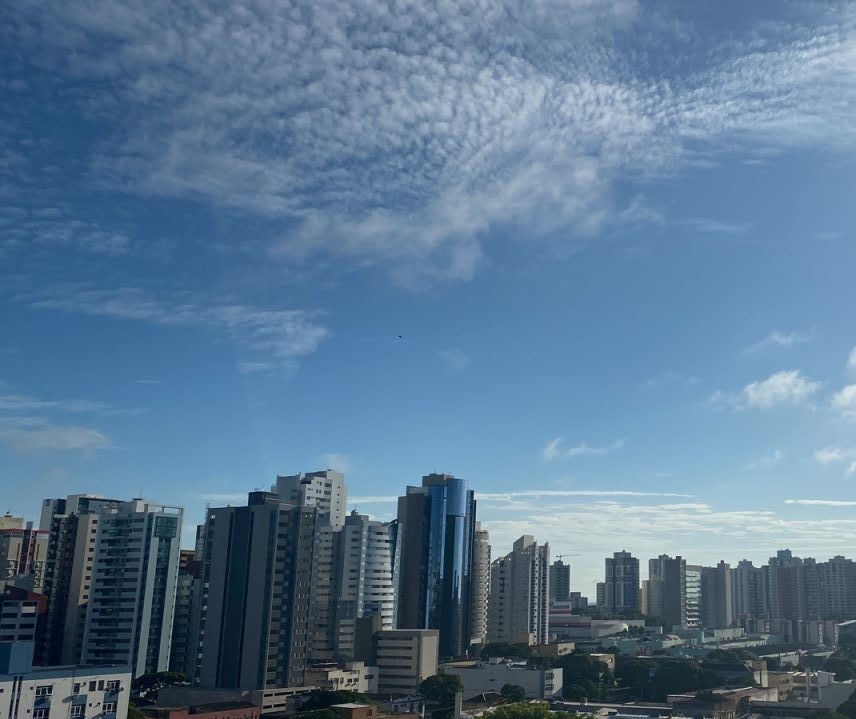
(71, 692)
(554, 650)
(491, 676)
(352, 677)
(218, 710)
(405, 658)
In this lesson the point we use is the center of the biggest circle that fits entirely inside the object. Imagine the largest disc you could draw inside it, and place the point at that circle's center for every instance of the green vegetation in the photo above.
(655, 680)
(513, 693)
(441, 689)
(584, 677)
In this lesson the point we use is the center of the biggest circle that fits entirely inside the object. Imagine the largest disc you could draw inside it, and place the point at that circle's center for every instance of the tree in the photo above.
(635, 674)
(513, 693)
(583, 676)
(679, 677)
(441, 688)
(134, 712)
(534, 710)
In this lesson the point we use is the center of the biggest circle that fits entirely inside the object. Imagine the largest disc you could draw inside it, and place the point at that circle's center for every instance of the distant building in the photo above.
(405, 658)
(132, 601)
(519, 607)
(667, 591)
(437, 521)
(64, 692)
(188, 607)
(22, 615)
(560, 582)
(491, 676)
(480, 585)
(621, 579)
(352, 677)
(325, 490)
(716, 603)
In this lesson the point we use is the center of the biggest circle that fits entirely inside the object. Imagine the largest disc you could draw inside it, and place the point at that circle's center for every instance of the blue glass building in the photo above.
(437, 521)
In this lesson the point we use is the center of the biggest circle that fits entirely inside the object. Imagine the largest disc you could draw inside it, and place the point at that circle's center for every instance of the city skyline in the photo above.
(593, 258)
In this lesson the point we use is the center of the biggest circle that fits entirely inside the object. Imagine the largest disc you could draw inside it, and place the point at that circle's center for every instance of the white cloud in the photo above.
(788, 387)
(845, 401)
(851, 359)
(337, 461)
(777, 339)
(52, 437)
(272, 336)
(822, 502)
(838, 455)
(767, 461)
(456, 361)
(400, 138)
(553, 449)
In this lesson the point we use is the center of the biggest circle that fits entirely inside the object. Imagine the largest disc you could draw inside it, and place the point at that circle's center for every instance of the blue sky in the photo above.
(596, 258)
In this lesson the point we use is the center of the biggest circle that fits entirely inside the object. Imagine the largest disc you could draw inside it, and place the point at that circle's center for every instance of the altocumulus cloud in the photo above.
(400, 134)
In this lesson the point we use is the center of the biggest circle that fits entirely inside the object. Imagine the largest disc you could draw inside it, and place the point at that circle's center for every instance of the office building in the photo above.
(324, 490)
(405, 658)
(65, 692)
(72, 534)
(715, 606)
(519, 606)
(621, 580)
(560, 581)
(255, 626)
(667, 591)
(132, 600)
(366, 577)
(437, 521)
(480, 585)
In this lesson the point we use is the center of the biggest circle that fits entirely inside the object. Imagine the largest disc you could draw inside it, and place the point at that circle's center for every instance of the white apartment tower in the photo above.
(132, 599)
(367, 577)
(518, 608)
(480, 585)
(325, 490)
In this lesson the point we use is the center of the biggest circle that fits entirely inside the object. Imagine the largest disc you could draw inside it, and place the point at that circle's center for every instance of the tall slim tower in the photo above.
(255, 625)
(560, 582)
(437, 521)
(131, 605)
(519, 594)
(480, 585)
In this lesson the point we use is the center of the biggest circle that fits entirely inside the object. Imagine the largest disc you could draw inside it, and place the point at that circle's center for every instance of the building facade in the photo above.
(480, 585)
(560, 581)
(132, 600)
(405, 658)
(325, 490)
(621, 580)
(437, 521)
(519, 604)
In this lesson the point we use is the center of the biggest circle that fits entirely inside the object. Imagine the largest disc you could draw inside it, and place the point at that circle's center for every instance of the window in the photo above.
(40, 713)
(77, 687)
(92, 685)
(45, 690)
(77, 710)
(113, 685)
(108, 707)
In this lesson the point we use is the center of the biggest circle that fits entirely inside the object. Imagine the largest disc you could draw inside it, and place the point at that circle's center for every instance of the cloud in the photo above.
(553, 449)
(851, 359)
(788, 387)
(536, 494)
(838, 455)
(456, 361)
(281, 335)
(845, 401)
(777, 339)
(822, 502)
(52, 437)
(767, 461)
(337, 461)
(378, 135)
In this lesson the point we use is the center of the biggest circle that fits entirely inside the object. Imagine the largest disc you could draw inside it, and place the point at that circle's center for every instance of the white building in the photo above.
(480, 585)
(519, 604)
(482, 677)
(353, 677)
(367, 576)
(70, 692)
(405, 658)
(325, 490)
(132, 600)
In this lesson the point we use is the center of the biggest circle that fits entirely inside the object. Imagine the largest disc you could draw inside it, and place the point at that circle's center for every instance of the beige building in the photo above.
(480, 585)
(405, 658)
(353, 677)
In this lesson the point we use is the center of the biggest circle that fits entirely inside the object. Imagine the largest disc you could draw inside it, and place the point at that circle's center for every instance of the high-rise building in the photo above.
(23, 554)
(132, 599)
(750, 596)
(72, 536)
(325, 490)
(667, 590)
(366, 577)
(621, 578)
(405, 658)
(519, 604)
(560, 581)
(480, 585)
(188, 605)
(715, 606)
(256, 626)
(437, 521)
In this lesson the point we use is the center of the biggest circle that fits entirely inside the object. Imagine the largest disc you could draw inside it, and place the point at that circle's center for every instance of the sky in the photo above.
(597, 258)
